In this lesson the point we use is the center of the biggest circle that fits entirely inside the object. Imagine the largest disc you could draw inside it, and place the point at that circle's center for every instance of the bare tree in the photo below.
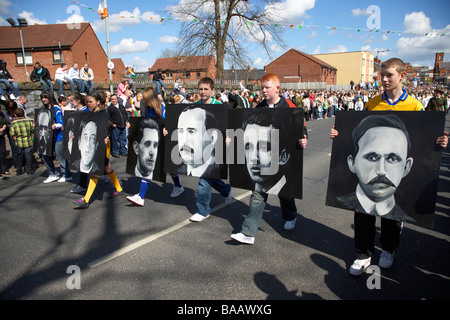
(226, 29)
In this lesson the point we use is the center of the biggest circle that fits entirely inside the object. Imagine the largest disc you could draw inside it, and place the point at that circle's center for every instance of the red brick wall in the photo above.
(287, 66)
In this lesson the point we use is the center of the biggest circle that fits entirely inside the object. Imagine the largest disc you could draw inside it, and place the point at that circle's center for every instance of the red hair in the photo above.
(271, 77)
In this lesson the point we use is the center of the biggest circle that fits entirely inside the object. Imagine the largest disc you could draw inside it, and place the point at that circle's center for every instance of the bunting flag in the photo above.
(103, 12)
(102, 9)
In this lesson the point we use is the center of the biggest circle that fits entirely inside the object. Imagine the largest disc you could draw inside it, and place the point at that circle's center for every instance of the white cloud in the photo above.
(4, 7)
(289, 10)
(29, 16)
(140, 64)
(168, 39)
(126, 18)
(75, 18)
(360, 12)
(316, 50)
(128, 45)
(417, 23)
(337, 48)
(260, 62)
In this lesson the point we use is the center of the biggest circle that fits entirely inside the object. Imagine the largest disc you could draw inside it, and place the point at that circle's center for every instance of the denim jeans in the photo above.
(80, 85)
(48, 160)
(257, 203)
(119, 141)
(61, 86)
(63, 164)
(158, 86)
(45, 85)
(204, 193)
(8, 86)
(89, 86)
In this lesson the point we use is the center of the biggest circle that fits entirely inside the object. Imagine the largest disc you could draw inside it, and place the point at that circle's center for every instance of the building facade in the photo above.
(353, 66)
(51, 45)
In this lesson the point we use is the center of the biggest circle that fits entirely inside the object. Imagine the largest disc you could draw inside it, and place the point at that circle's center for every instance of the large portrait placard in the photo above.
(195, 144)
(88, 148)
(386, 163)
(43, 133)
(145, 149)
(266, 153)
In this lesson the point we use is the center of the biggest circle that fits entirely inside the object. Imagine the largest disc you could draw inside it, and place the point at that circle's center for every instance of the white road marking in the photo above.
(157, 235)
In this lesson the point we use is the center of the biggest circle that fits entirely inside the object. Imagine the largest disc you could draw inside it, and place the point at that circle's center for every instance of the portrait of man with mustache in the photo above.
(380, 160)
(44, 132)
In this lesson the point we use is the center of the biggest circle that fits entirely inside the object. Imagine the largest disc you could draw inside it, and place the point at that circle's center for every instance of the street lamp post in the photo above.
(22, 23)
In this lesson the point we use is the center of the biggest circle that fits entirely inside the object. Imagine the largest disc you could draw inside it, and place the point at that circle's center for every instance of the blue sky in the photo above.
(415, 27)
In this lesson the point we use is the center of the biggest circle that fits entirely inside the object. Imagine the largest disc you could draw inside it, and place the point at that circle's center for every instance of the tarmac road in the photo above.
(154, 253)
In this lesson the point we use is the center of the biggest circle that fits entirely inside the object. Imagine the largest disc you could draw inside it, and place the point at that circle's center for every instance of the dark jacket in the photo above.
(4, 73)
(158, 76)
(45, 74)
(117, 116)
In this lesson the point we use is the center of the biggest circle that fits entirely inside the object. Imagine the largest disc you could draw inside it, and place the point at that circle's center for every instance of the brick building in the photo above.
(52, 44)
(295, 67)
(190, 69)
(441, 69)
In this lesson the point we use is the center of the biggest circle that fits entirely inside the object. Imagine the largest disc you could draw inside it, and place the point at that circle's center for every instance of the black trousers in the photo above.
(24, 155)
(365, 231)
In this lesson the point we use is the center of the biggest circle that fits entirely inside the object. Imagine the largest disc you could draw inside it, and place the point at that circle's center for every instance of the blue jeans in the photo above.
(45, 83)
(159, 83)
(80, 85)
(89, 85)
(8, 86)
(48, 160)
(204, 193)
(257, 203)
(119, 141)
(61, 86)
(63, 164)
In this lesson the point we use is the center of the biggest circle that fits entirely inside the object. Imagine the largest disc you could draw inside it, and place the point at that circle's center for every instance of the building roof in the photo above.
(316, 60)
(444, 65)
(183, 63)
(40, 36)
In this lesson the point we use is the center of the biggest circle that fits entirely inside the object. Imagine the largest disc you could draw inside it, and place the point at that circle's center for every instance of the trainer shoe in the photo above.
(3, 98)
(64, 179)
(80, 203)
(12, 96)
(116, 193)
(198, 217)
(176, 191)
(51, 178)
(358, 266)
(289, 225)
(243, 238)
(78, 189)
(228, 198)
(386, 259)
(136, 199)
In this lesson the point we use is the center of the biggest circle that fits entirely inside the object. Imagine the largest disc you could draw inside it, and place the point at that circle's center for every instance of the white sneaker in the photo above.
(386, 259)
(198, 217)
(136, 199)
(358, 266)
(12, 96)
(228, 198)
(78, 189)
(289, 225)
(3, 98)
(243, 238)
(51, 178)
(176, 191)
(64, 179)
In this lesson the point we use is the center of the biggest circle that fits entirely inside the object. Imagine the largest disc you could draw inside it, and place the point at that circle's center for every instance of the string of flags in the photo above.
(103, 12)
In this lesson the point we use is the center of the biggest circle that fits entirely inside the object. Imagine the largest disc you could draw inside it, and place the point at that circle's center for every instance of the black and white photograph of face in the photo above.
(265, 140)
(88, 145)
(43, 133)
(197, 133)
(384, 166)
(68, 134)
(146, 149)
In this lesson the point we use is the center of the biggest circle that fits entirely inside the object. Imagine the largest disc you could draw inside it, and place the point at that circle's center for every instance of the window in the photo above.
(28, 58)
(169, 75)
(198, 75)
(187, 74)
(57, 56)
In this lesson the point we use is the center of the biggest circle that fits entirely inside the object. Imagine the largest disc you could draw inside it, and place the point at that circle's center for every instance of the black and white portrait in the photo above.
(196, 147)
(88, 146)
(68, 134)
(267, 157)
(145, 149)
(43, 133)
(389, 166)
